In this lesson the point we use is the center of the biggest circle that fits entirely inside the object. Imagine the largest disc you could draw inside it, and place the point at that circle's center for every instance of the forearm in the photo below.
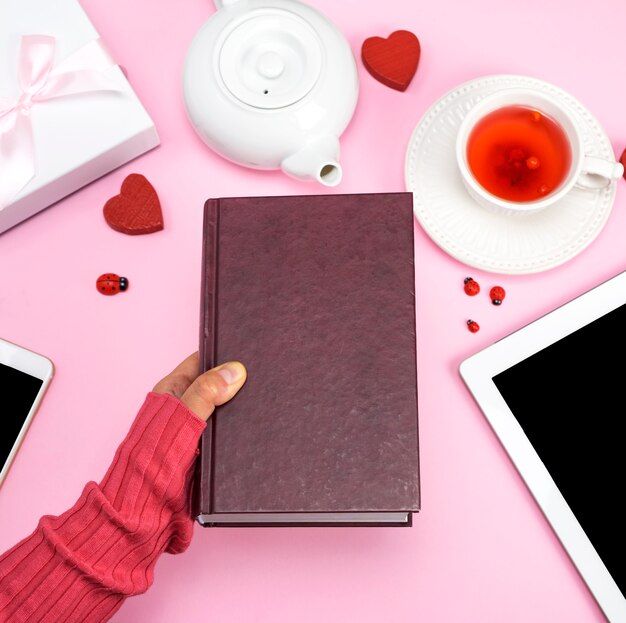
(81, 565)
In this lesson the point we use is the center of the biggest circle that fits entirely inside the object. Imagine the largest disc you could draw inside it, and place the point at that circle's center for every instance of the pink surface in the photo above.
(480, 550)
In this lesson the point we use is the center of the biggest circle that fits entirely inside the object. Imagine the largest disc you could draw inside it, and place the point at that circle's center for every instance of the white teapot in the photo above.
(272, 84)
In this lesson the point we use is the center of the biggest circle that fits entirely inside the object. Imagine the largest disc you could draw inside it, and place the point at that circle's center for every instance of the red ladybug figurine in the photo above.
(473, 326)
(471, 287)
(497, 295)
(109, 284)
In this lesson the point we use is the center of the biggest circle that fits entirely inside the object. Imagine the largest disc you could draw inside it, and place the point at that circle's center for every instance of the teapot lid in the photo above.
(271, 58)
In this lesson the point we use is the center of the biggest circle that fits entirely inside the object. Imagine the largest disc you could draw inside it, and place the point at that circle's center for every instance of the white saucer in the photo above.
(472, 234)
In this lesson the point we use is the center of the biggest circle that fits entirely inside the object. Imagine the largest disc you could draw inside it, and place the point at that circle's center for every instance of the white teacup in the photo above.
(585, 171)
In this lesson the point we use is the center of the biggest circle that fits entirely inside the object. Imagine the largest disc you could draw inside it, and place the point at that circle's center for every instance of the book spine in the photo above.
(206, 354)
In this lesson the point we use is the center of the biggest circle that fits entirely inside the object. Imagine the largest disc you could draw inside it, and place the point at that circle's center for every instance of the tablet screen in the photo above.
(18, 391)
(570, 399)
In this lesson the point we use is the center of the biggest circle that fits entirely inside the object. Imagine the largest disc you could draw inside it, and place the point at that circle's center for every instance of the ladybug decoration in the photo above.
(497, 294)
(471, 287)
(109, 284)
(473, 326)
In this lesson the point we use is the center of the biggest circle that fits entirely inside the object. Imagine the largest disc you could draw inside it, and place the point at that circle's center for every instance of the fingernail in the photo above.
(231, 372)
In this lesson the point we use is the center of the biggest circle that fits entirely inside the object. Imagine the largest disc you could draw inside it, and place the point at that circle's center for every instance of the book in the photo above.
(315, 296)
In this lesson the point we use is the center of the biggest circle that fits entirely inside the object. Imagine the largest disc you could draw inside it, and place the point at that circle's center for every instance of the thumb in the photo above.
(214, 388)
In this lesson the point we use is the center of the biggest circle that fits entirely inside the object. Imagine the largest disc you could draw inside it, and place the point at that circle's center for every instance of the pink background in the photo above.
(480, 550)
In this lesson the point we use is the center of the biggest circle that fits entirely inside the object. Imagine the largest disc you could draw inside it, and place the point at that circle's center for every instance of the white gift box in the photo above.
(82, 123)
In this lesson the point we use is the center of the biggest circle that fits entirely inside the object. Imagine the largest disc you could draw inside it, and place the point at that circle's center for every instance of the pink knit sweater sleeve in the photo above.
(81, 565)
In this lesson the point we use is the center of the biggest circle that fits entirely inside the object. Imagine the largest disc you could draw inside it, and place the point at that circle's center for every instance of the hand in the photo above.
(201, 394)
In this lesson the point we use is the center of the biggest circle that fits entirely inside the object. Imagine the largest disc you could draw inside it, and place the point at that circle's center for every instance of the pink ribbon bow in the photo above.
(40, 80)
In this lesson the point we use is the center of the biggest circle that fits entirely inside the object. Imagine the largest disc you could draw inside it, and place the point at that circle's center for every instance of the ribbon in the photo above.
(40, 80)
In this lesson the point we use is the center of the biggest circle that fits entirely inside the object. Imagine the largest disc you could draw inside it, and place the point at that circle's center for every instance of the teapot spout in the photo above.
(317, 160)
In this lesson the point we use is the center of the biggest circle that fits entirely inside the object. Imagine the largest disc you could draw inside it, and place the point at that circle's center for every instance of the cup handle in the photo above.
(598, 173)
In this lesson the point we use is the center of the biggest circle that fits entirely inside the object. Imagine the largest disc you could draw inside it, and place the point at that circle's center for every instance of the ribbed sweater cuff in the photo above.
(80, 565)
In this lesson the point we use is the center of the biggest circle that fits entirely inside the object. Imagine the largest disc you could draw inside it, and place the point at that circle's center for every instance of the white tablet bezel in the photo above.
(36, 365)
(478, 371)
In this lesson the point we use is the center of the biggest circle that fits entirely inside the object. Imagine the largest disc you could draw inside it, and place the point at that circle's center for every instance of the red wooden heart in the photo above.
(136, 210)
(392, 61)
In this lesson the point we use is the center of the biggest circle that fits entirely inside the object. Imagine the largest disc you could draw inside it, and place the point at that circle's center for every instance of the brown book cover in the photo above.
(315, 296)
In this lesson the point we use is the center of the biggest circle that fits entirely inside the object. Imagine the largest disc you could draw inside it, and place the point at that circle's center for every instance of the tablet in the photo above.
(554, 394)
